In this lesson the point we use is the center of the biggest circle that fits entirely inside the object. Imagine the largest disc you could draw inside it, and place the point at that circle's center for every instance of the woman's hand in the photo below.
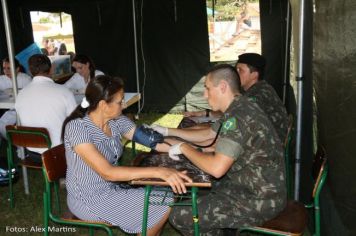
(175, 179)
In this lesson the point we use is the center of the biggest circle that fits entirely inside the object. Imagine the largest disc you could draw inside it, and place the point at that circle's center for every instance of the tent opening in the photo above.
(234, 28)
(53, 32)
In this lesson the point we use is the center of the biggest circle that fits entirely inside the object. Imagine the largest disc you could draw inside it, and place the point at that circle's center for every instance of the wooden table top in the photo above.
(200, 179)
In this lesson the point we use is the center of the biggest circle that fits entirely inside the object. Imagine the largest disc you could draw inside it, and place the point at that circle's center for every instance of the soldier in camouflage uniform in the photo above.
(250, 67)
(248, 162)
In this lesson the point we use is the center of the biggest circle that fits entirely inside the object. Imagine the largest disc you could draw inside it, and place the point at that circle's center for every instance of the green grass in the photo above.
(28, 211)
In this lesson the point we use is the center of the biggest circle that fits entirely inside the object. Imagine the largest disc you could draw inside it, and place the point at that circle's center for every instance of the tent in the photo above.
(173, 54)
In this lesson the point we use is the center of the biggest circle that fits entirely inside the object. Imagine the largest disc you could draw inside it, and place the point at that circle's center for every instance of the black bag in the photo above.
(4, 176)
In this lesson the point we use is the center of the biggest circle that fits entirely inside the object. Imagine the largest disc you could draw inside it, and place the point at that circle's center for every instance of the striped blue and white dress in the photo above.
(89, 196)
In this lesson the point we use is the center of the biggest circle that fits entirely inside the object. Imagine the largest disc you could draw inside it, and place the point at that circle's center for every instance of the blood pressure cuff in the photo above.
(147, 136)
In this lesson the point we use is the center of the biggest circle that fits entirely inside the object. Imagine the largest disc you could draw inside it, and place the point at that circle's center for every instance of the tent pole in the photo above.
(285, 82)
(136, 54)
(10, 45)
(10, 49)
(299, 78)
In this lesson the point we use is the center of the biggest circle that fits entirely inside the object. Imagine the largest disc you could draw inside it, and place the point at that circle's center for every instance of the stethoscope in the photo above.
(191, 143)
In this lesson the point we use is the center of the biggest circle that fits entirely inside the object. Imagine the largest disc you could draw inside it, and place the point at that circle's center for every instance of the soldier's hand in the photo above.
(174, 151)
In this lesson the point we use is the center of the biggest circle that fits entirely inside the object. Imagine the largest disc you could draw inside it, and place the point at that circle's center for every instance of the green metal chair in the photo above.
(54, 168)
(320, 171)
(23, 136)
(287, 145)
(162, 189)
(293, 219)
(188, 199)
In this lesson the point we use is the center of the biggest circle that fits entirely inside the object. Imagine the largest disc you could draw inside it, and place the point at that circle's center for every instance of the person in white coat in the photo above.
(6, 79)
(43, 103)
(85, 70)
(23, 79)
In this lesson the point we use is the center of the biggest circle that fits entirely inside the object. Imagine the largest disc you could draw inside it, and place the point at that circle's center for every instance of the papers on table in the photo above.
(203, 119)
(7, 100)
(131, 98)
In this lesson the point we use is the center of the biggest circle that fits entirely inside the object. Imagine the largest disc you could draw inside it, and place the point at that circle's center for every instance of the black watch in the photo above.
(207, 112)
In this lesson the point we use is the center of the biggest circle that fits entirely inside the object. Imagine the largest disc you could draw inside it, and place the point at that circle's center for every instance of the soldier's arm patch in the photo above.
(229, 125)
(228, 147)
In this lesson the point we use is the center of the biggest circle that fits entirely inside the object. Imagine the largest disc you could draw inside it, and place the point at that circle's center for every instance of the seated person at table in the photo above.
(43, 103)
(85, 70)
(6, 79)
(250, 67)
(248, 161)
(9, 117)
(92, 138)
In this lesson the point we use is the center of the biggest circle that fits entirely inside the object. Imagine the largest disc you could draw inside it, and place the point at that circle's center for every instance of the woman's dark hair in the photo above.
(83, 59)
(102, 87)
(7, 60)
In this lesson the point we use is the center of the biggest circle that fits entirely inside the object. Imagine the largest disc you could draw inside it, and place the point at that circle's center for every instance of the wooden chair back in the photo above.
(54, 168)
(293, 219)
(54, 163)
(318, 169)
(24, 136)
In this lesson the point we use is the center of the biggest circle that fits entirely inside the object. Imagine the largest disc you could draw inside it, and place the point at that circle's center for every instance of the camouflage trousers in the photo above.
(215, 214)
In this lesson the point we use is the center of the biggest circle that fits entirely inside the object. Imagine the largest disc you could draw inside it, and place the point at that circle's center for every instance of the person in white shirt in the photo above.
(85, 70)
(9, 117)
(43, 103)
(6, 79)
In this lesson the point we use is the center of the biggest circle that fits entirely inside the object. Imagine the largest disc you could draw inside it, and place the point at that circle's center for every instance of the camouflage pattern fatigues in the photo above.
(253, 190)
(267, 99)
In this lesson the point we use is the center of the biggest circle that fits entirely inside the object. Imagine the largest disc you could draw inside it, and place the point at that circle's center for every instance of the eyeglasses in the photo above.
(121, 103)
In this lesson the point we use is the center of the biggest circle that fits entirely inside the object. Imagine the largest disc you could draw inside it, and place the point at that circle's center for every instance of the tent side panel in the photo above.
(335, 94)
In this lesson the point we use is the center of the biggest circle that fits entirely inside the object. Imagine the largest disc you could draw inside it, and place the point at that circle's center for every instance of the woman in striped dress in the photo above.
(92, 135)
